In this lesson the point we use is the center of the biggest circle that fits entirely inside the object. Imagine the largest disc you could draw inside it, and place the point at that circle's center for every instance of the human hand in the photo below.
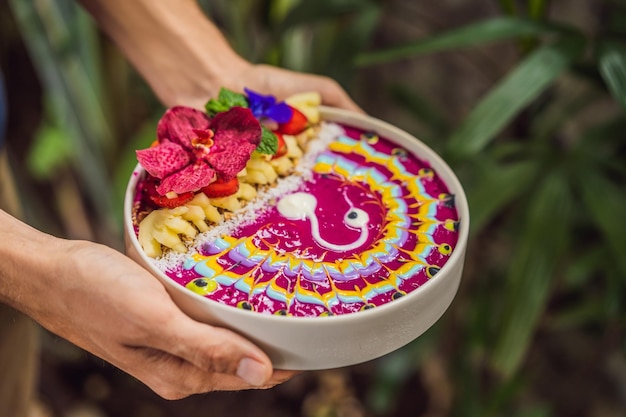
(105, 303)
(282, 83)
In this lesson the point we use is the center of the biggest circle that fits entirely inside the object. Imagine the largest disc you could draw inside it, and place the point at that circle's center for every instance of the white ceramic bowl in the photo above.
(309, 343)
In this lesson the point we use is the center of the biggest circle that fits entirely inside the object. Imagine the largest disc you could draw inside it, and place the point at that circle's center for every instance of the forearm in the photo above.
(26, 256)
(172, 44)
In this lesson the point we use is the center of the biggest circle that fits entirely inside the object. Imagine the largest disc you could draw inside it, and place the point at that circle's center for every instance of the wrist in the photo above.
(29, 260)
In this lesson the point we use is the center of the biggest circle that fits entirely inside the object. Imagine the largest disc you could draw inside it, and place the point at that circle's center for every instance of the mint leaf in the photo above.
(269, 142)
(226, 99)
(213, 107)
(231, 98)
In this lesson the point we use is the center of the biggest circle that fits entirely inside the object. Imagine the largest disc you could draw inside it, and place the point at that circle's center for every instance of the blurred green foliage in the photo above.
(545, 180)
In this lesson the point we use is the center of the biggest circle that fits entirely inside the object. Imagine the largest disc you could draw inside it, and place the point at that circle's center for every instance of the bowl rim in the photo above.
(346, 117)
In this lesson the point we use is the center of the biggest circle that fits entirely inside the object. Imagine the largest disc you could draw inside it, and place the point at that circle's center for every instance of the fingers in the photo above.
(282, 83)
(200, 357)
(173, 378)
(221, 351)
(335, 96)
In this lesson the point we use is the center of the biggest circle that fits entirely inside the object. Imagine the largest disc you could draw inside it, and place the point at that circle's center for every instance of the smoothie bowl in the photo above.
(326, 237)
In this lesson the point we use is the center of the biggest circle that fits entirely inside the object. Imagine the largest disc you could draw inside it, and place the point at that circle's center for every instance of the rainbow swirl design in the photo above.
(281, 265)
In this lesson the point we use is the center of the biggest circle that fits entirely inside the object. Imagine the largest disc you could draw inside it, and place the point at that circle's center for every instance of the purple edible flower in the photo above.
(263, 106)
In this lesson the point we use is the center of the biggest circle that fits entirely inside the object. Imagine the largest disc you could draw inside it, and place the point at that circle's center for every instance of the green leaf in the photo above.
(560, 110)
(421, 109)
(496, 186)
(606, 204)
(307, 12)
(584, 266)
(599, 148)
(226, 100)
(55, 43)
(492, 30)
(503, 394)
(214, 107)
(269, 142)
(508, 6)
(232, 98)
(351, 38)
(544, 238)
(278, 10)
(591, 311)
(49, 152)
(614, 297)
(512, 94)
(391, 372)
(537, 8)
(612, 63)
(236, 19)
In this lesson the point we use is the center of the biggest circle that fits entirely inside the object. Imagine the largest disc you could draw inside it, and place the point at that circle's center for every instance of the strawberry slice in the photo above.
(165, 202)
(220, 188)
(281, 150)
(297, 124)
(152, 198)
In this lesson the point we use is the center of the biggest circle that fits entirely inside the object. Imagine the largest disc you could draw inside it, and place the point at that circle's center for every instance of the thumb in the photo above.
(217, 350)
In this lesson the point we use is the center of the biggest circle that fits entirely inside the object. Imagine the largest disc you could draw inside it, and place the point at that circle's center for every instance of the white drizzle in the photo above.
(301, 206)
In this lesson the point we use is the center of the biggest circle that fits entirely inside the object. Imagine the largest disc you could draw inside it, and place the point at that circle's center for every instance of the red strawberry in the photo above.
(179, 200)
(221, 188)
(281, 150)
(152, 198)
(297, 124)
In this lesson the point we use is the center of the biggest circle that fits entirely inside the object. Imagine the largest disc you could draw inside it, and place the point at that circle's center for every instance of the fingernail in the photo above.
(252, 372)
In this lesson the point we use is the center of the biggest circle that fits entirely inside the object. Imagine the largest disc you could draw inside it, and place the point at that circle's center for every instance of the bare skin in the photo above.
(100, 299)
